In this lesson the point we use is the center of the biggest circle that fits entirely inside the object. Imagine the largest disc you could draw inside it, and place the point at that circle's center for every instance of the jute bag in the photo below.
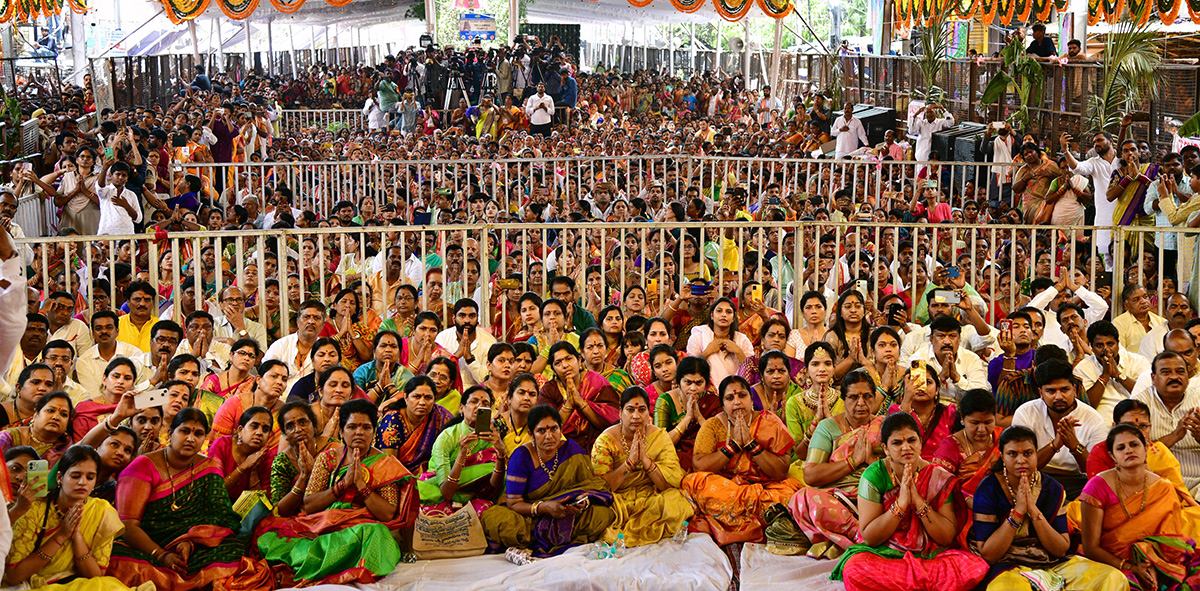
(457, 535)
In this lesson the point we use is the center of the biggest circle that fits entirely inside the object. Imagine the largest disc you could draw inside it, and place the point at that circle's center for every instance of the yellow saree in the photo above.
(645, 514)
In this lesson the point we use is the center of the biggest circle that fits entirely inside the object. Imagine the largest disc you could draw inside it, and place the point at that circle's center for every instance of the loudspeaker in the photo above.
(568, 35)
(876, 120)
(944, 144)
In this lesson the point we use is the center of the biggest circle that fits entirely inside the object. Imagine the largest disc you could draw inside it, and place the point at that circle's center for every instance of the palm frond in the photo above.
(1130, 64)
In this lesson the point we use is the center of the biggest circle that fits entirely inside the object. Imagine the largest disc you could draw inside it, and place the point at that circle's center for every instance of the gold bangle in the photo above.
(534, 508)
(84, 557)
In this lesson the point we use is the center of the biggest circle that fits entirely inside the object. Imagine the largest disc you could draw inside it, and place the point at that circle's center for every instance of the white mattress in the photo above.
(763, 571)
(698, 565)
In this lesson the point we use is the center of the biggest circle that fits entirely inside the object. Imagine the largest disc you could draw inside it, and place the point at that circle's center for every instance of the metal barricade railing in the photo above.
(882, 183)
(605, 260)
(328, 119)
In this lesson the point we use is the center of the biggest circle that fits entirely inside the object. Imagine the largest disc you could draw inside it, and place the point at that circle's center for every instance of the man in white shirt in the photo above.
(232, 324)
(59, 308)
(1052, 299)
(468, 342)
(1179, 312)
(293, 349)
(213, 355)
(970, 338)
(120, 209)
(849, 132)
(1177, 341)
(927, 121)
(958, 370)
(164, 344)
(13, 286)
(540, 109)
(1099, 169)
(1066, 430)
(1175, 414)
(1109, 372)
(89, 369)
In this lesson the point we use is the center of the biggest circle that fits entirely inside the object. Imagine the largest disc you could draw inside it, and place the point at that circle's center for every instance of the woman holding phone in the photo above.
(467, 464)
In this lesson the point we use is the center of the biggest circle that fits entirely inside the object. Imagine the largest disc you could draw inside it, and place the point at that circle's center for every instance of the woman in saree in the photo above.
(973, 449)
(243, 456)
(410, 424)
(466, 466)
(908, 515)
(513, 423)
(774, 333)
(49, 433)
(119, 376)
(1132, 518)
(611, 322)
(325, 354)
(179, 523)
(444, 373)
(293, 464)
(186, 368)
(237, 379)
(400, 316)
(841, 448)
(354, 335)
(593, 347)
(639, 463)
(935, 419)
(741, 467)
(776, 387)
(586, 400)
(658, 332)
(885, 368)
(530, 310)
(115, 451)
(335, 386)
(272, 380)
(682, 410)
(804, 410)
(555, 501)
(67, 548)
(357, 496)
(1021, 523)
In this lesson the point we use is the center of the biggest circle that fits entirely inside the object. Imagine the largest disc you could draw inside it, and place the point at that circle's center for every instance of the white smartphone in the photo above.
(150, 398)
(997, 125)
(38, 474)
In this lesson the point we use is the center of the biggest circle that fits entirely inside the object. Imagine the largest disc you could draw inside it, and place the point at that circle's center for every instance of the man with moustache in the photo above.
(958, 370)
(1175, 414)
(1108, 371)
(1183, 343)
(466, 340)
(1179, 312)
(1065, 429)
(1099, 169)
(60, 356)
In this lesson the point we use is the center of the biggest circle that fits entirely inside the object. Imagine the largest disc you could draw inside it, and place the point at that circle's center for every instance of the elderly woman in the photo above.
(356, 495)
(1131, 518)
(775, 332)
(466, 466)
(719, 342)
(741, 462)
(272, 381)
(639, 463)
(244, 456)
(410, 425)
(555, 500)
(586, 400)
(1021, 523)
(842, 446)
(292, 466)
(49, 433)
(906, 514)
(179, 522)
(68, 547)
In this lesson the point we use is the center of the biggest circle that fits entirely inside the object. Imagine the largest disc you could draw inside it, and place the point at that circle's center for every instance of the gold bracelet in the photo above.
(84, 557)
(450, 478)
(534, 508)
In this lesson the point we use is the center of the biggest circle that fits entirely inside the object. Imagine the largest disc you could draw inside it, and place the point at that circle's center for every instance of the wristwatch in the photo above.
(242, 333)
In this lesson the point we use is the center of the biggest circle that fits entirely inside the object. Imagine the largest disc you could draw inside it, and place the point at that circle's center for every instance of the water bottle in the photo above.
(599, 551)
(518, 556)
(681, 534)
(619, 546)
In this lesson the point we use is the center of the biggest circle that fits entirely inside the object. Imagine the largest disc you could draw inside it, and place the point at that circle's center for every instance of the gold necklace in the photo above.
(971, 446)
(175, 506)
(812, 398)
(1012, 496)
(1121, 499)
(549, 471)
(36, 440)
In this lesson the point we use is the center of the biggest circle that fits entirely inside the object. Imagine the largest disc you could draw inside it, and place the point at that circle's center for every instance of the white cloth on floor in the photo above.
(763, 571)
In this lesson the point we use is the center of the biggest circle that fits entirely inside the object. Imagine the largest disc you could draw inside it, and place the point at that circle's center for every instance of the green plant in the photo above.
(1024, 74)
(10, 133)
(1129, 74)
(935, 43)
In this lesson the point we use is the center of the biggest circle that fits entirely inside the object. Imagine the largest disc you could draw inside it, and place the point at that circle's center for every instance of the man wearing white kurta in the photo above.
(924, 124)
(849, 131)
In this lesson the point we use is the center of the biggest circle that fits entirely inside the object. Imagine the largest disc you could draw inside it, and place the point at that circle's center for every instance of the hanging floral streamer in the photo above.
(730, 10)
(26, 10)
(182, 10)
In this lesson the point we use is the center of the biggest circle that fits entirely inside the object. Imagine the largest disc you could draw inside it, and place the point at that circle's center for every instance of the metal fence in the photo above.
(607, 261)
(292, 120)
(883, 184)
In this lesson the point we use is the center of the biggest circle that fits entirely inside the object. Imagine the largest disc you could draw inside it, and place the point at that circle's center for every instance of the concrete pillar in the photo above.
(79, 57)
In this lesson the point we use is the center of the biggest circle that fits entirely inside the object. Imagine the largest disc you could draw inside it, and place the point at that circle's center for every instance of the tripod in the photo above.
(455, 83)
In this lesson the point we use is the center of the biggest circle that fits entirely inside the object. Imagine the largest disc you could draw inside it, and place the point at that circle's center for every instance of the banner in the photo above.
(472, 26)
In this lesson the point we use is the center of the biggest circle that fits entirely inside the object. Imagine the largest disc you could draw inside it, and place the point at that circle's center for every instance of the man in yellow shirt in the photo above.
(134, 328)
(1137, 319)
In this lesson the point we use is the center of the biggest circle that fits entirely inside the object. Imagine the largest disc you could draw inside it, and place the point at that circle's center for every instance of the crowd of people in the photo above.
(931, 413)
